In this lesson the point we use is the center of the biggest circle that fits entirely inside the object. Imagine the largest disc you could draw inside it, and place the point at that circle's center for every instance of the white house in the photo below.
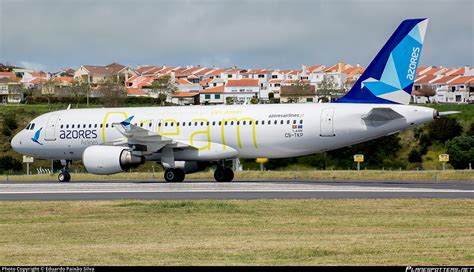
(242, 90)
(212, 96)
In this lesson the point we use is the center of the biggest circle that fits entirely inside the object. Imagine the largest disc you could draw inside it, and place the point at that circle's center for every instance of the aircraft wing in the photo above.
(145, 141)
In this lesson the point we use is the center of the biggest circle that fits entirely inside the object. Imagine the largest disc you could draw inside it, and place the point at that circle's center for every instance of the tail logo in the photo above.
(389, 77)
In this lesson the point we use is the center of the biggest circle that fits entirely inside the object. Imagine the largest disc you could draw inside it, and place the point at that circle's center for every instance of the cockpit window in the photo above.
(28, 126)
(32, 126)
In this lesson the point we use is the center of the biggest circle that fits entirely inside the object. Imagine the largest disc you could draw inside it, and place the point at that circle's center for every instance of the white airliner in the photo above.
(189, 139)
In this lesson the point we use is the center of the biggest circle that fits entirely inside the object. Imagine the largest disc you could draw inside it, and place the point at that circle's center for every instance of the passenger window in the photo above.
(250, 122)
(281, 122)
(225, 123)
(287, 122)
(238, 122)
(149, 124)
(190, 124)
(95, 125)
(207, 123)
(202, 123)
(106, 125)
(220, 123)
(67, 126)
(141, 124)
(171, 124)
(231, 123)
(61, 126)
(244, 122)
(90, 125)
(294, 122)
(275, 122)
(72, 126)
(184, 124)
(166, 124)
(256, 122)
(101, 125)
(213, 123)
(84, 126)
(159, 124)
(269, 122)
(301, 121)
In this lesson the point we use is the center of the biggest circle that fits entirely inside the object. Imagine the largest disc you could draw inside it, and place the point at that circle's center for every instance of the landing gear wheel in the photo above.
(223, 174)
(64, 177)
(174, 175)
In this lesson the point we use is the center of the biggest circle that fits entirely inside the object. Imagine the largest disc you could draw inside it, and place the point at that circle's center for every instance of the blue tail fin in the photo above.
(389, 77)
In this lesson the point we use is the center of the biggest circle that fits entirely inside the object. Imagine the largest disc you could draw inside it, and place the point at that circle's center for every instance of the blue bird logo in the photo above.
(36, 137)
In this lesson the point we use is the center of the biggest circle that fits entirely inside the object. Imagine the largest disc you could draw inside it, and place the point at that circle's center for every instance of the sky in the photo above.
(54, 34)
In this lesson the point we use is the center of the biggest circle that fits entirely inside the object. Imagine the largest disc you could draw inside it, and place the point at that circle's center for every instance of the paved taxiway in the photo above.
(123, 189)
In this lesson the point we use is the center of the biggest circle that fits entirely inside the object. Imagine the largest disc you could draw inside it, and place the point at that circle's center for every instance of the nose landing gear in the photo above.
(64, 175)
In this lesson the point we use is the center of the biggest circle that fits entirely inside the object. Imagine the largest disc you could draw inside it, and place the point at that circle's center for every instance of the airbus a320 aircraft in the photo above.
(189, 139)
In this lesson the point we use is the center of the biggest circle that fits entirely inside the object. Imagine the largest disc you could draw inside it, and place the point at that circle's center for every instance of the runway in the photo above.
(289, 189)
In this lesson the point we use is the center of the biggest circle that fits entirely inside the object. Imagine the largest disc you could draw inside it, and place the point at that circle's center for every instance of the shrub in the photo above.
(461, 151)
(444, 129)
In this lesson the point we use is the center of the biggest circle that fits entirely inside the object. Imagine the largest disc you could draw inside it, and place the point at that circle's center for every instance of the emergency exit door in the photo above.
(327, 123)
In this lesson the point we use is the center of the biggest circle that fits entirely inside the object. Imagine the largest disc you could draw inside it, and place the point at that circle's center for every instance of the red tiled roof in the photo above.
(443, 80)
(203, 72)
(275, 81)
(425, 79)
(136, 92)
(421, 68)
(217, 72)
(7, 74)
(331, 68)
(242, 82)
(184, 94)
(39, 74)
(182, 81)
(205, 82)
(312, 68)
(462, 80)
(64, 79)
(38, 80)
(432, 71)
(219, 89)
(457, 72)
(354, 70)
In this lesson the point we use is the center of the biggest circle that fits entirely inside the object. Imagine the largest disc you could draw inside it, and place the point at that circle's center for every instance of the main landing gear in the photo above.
(223, 174)
(64, 175)
(174, 175)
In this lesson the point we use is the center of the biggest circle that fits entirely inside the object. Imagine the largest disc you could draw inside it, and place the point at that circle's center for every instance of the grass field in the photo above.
(366, 175)
(257, 232)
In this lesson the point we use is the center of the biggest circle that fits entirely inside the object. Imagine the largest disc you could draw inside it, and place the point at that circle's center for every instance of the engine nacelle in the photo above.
(105, 160)
(191, 166)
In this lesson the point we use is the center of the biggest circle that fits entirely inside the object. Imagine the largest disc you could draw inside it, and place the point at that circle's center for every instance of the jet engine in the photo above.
(105, 160)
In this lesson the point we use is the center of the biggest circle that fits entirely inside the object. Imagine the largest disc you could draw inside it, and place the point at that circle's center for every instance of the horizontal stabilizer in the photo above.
(382, 115)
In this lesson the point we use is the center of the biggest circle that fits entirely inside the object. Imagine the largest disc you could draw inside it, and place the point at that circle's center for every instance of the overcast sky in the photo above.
(54, 34)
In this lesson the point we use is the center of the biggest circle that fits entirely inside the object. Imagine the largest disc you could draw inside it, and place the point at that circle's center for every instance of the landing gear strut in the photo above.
(64, 175)
(223, 174)
(174, 175)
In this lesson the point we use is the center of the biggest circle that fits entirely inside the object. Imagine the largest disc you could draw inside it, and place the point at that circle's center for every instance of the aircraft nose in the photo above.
(16, 142)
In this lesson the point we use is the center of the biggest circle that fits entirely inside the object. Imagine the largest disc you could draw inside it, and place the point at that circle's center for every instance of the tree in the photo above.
(470, 131)
(461, 151)
(163, 86)
(298, 90)
(444, 129)
(8, 163)
(111, 91)
(9, 124)
(325, 89)
(427, 92)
